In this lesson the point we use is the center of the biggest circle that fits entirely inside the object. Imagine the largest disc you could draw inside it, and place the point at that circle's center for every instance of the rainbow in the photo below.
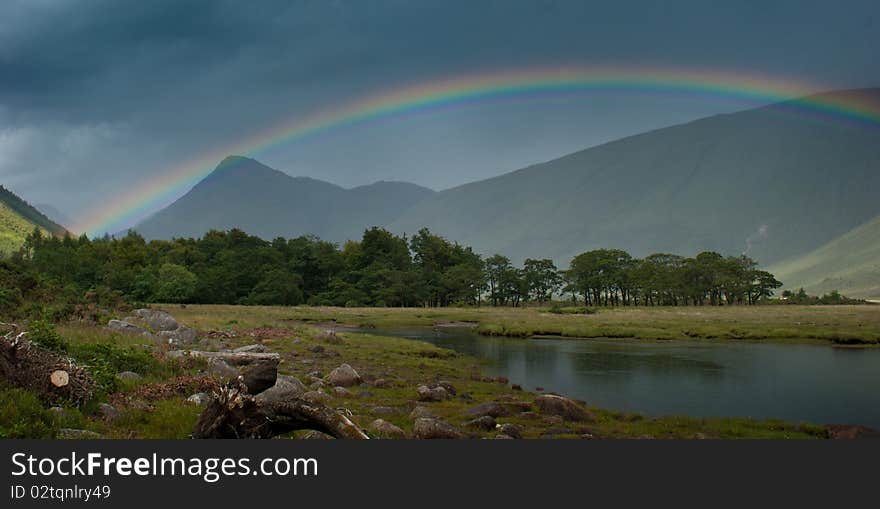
(476, 89)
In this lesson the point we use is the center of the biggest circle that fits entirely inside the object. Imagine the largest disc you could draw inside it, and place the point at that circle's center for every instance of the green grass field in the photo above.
(829, 324)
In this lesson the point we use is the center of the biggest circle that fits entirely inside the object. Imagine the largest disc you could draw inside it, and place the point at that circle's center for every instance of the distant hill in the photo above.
(54, 214)
(243, 193)
(766, 181)
(849, 264)
(18, 219)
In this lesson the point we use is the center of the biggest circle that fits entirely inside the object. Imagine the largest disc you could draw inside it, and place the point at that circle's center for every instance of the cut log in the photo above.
(53, 377)
(231, 358)
(236, 414)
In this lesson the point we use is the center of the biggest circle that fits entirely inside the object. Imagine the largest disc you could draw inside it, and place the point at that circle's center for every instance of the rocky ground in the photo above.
(387, 387)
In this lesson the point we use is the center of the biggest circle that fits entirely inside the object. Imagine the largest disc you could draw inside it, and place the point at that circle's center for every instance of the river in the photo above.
(794, 382)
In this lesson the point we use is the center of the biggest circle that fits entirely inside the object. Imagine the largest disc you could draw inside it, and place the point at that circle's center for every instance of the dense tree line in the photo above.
(382, 269)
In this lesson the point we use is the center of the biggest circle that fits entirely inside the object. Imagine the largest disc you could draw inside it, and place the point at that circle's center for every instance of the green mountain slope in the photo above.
(243, 193)
(17, 221)
(780, 182)
(849, 264)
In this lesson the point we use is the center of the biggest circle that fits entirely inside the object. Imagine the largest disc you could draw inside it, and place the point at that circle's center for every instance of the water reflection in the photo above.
(793, 382)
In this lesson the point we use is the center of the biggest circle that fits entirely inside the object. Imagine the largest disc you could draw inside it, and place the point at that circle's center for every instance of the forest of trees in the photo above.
(382, 269)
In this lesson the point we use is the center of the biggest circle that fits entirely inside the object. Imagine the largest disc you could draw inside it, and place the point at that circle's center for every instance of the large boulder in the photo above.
(344, 376)
(259, 376)
(492, 409)
(484, 423)
(286, 388)
(157, 320)
(427, 428)
(384, 429)
(221, 369)
(180, 336)
(563, 407)
(432, 394)
(255, 348)
(124, 327)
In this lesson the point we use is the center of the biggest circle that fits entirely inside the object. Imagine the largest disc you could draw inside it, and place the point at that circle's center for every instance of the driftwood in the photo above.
(236, 414)
(52, 376)
(231, 358)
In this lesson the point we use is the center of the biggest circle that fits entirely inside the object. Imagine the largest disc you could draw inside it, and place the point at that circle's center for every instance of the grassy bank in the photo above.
(155, 406)
(832, 324)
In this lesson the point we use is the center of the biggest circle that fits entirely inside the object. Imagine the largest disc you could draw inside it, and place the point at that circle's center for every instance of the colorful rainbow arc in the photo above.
(750, 90)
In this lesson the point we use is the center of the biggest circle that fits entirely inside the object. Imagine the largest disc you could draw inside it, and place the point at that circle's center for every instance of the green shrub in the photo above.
(44, 334)
(22, 416)
(105, 360)
(556, 309)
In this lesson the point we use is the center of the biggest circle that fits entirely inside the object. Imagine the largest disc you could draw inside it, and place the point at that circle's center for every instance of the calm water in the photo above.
(817, 384)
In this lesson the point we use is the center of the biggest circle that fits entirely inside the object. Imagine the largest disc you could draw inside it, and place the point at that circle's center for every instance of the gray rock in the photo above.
(157, 320)
(181, 336)
(447, 386)
(285, 388)
(484, 423)
(492, 409)
(432, 394)
(511, 430)
(316, 397)
(199, 399)
(342, 392)
(344, 376)
(316, 385)
(563, 407)
(381, 383)
(420, 412)
(220, 369)
(128, 376)
(58, 412)
(316, 435)
(316, 348)
(108, 412)
(427, 428)
(502, 436)
(385, 429)
(259, 376)
(124, 327)
(255, 348)
(77, 434)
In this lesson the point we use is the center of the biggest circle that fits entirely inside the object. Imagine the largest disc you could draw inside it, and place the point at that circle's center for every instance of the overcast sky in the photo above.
(98, 96)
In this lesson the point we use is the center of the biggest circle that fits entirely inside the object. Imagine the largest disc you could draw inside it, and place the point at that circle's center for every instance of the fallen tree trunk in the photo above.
(52, 376)
(236, 414)
(231, 358)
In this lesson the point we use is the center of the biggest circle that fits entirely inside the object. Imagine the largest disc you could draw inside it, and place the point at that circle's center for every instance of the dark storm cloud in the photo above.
(97, 95)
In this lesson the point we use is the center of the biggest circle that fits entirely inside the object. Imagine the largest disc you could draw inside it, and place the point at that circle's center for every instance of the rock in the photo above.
(484, 423)
(511, 430)
(316, 385)
(530, 415)
(316, 397)
(285, 388)
(428, 428)
(128, 376)
(108, 412)
(316, 349)
(432, 394)
(181, 336)
(199, 399)
(124, 327)
(260, 376)
(255, 348)
(157, 320)
(316, 374)
(220, 369)
(342, 392)
(502, 436)
(492, 409)
(563, 407)
(385, 410)
(344, 376)
(385, 429)
(381, 383)
(420, 412)
(77, 434)
(447, 386)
